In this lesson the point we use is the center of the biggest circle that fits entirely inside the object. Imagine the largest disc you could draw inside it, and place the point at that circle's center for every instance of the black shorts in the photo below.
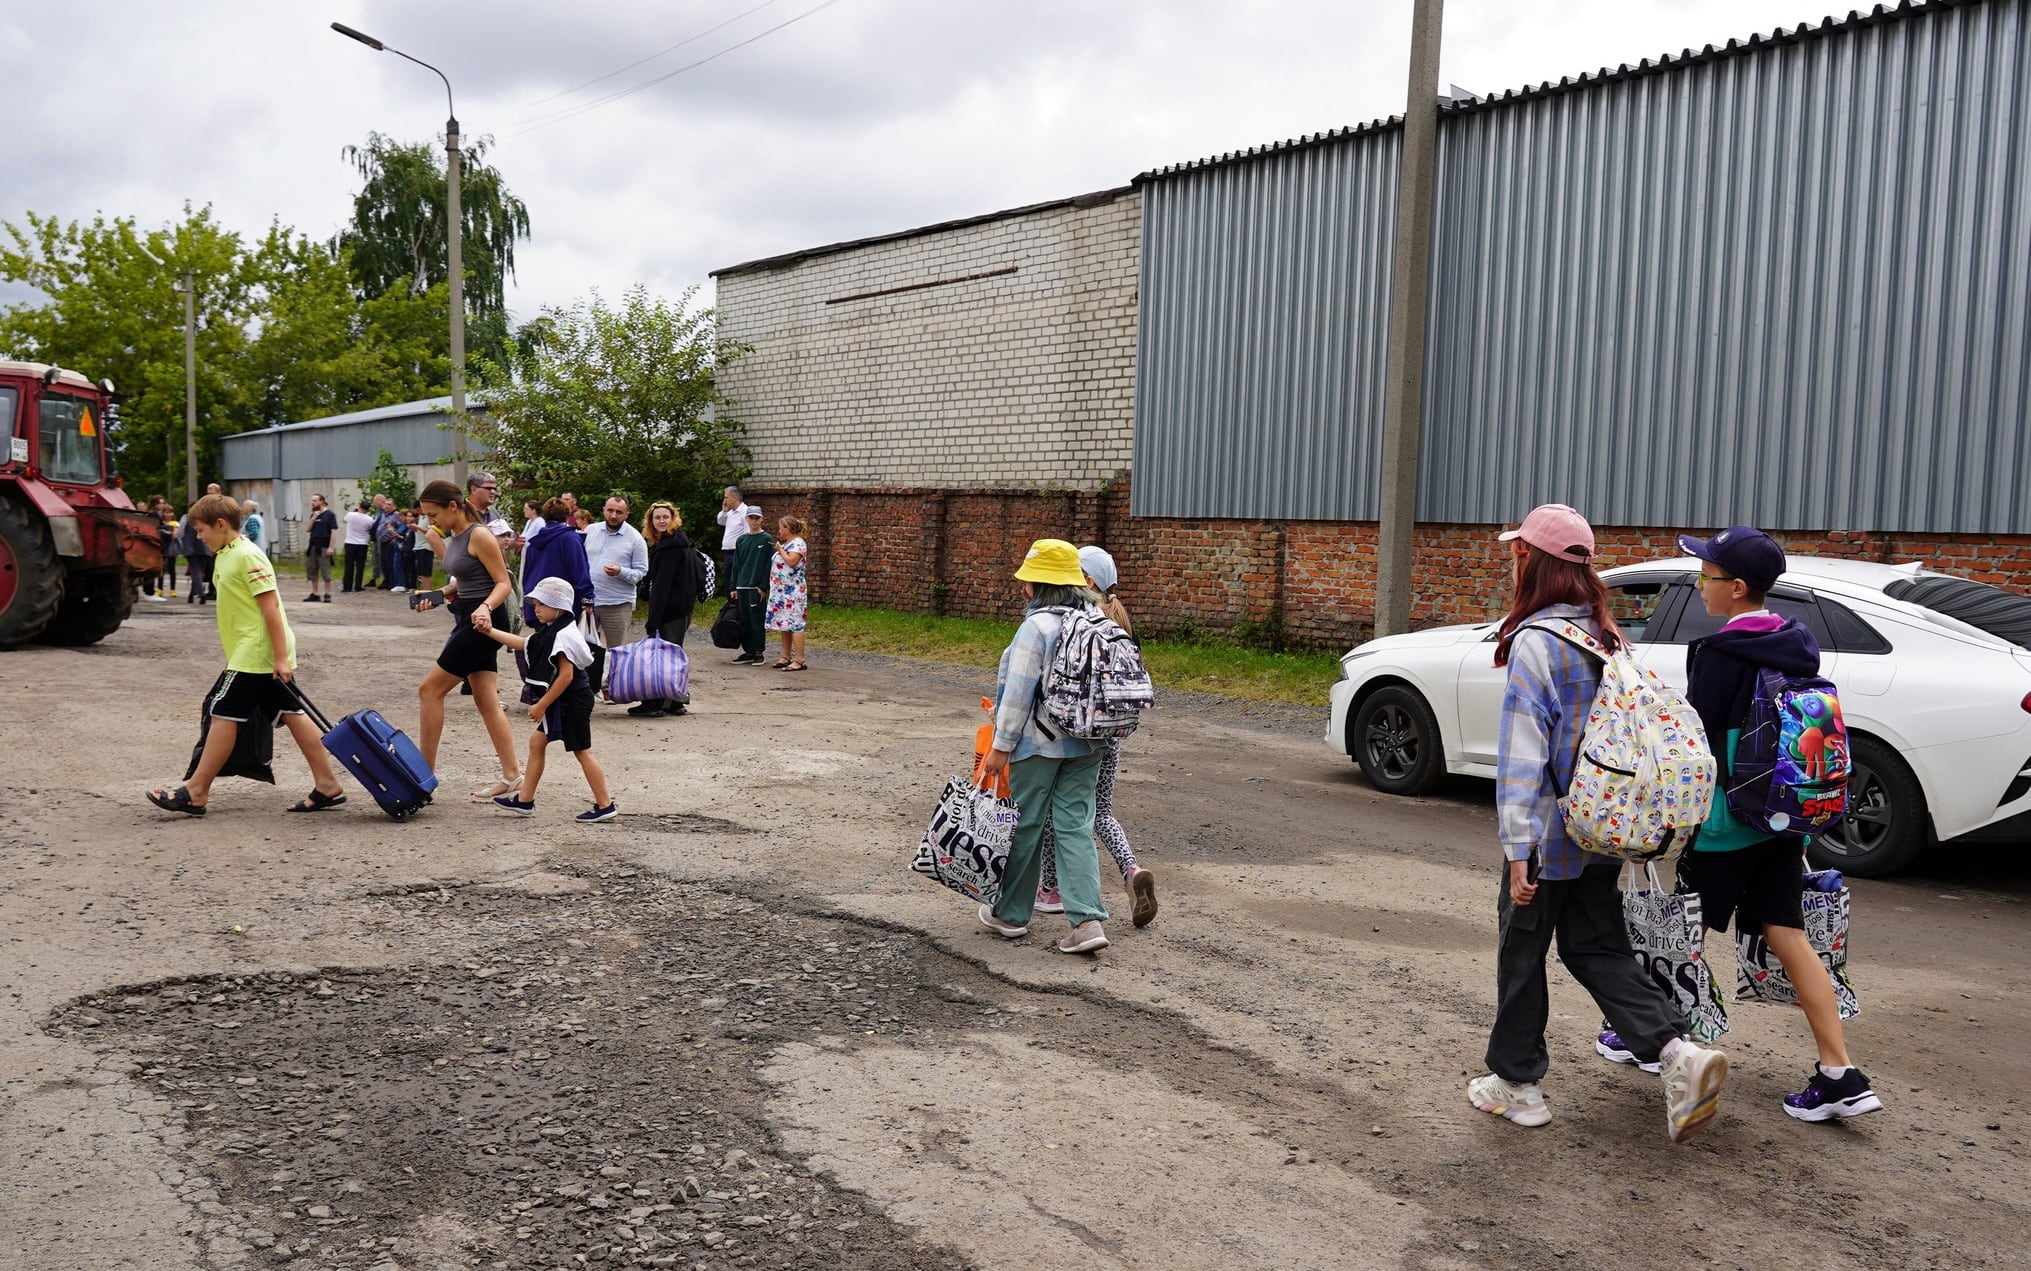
(569, 719)
(1762, 885)
(249, 696)
(469, 651)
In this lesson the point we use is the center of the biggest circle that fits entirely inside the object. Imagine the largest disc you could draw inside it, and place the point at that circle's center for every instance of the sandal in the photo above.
(318, 801)
(796, 666)
(496, 790)
(178, 802)
(783, 665)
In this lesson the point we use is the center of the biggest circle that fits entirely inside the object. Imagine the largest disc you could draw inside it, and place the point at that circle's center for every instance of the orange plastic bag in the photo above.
(983, 741)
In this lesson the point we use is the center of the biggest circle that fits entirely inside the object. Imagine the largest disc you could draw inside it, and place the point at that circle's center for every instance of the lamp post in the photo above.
(455, 266)
(187, 284)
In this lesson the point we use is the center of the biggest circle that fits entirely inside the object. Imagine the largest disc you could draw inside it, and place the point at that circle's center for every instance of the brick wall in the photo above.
(1002, 356)
(953, 551)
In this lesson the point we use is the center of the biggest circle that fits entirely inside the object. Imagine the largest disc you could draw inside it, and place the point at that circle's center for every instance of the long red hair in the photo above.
(1547, 580)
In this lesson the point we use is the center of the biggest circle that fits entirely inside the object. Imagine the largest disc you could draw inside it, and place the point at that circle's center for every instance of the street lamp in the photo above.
(454, 261)
(188, 286)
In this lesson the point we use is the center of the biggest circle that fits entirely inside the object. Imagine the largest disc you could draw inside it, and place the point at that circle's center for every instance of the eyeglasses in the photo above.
(1706, 578)
(486, 487)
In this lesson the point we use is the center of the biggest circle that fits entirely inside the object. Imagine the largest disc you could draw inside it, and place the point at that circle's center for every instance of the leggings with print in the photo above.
(1106, 830)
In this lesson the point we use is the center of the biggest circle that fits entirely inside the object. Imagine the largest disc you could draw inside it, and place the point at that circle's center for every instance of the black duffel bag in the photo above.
(253, 754)
(726, 628)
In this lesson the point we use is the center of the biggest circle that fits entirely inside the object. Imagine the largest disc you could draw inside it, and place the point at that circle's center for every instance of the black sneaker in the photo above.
(647, 710)
(1833, 1099)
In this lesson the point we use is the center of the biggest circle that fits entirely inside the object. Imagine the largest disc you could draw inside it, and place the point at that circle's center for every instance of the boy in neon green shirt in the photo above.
(260, 662)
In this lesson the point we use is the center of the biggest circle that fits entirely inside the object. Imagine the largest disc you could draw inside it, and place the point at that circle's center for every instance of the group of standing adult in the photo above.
(768, 582)
(182, 540)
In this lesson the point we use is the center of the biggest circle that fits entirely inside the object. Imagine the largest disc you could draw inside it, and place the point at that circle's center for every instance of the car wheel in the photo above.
(1885, 826)
(1395, 739)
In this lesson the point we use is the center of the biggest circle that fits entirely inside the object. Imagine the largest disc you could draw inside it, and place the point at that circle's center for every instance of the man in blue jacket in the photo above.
(1737, 869)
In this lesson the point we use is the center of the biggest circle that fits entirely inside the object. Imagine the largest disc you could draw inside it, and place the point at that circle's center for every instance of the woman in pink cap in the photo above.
(1551, 888)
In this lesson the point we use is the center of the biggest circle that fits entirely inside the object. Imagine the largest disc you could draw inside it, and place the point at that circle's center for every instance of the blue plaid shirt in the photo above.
(1544, 707)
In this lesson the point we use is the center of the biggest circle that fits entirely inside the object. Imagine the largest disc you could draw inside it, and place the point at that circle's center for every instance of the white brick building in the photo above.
(992, 352)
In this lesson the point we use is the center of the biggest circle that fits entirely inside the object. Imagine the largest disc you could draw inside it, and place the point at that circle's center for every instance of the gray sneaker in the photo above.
(1087, 937)
(1006, 930)
(1692, 1088)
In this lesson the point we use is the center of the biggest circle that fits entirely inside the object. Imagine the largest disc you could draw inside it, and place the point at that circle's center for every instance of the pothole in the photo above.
(686, 823)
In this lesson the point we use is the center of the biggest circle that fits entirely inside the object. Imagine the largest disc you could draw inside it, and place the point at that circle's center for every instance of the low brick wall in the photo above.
(1301, 582)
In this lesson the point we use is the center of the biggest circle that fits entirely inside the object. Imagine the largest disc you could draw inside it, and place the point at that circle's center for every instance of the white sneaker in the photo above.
(1521, 1102)
(1692, 1087)
(1006, 930)
(149, 595)
(397, 591)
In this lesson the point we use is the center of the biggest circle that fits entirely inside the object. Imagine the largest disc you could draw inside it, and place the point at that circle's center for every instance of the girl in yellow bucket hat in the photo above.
(1052, 779)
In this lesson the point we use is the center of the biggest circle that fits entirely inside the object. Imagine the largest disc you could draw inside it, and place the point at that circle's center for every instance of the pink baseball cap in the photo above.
(1556, 530)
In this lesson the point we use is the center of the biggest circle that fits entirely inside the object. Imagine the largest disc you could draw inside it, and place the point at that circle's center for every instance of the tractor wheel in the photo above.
(94, 606)
(31, 576)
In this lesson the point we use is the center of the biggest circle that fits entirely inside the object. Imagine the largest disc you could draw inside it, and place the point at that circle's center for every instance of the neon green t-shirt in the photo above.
(241, 573)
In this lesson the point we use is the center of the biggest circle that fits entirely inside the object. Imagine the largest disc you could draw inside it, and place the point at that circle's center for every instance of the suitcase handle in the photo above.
(316, 716)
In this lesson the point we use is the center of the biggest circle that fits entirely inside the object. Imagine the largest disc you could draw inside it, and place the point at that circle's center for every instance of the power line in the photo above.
(557, 117)
(600, 79)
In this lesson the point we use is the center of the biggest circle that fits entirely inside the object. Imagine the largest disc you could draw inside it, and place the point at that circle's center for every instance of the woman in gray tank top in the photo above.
(478, 575)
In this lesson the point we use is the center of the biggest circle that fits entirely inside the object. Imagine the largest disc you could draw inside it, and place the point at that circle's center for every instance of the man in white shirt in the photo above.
(617, 556)
(733, 519)
(359, 536)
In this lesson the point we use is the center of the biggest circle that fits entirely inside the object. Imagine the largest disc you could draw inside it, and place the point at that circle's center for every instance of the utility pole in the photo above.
(1410, 283)
(454, 259)
(453, 256)
(189, 388)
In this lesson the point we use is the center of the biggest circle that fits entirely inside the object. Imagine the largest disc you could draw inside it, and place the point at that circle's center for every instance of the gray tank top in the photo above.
(474, 582)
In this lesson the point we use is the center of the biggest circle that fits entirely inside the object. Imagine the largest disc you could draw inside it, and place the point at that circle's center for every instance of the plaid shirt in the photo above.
(1551, 689)
(1015, 706)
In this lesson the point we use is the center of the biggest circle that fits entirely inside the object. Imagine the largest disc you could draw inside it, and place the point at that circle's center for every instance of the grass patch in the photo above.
(1201, 664)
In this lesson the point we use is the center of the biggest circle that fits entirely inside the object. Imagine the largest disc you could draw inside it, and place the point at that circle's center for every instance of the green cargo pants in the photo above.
(1061, 790)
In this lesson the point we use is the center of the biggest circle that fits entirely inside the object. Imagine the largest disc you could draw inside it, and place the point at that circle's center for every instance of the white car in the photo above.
(1934, 673)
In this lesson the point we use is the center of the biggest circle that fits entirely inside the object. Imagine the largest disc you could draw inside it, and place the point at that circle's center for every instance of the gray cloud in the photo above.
(872, 116)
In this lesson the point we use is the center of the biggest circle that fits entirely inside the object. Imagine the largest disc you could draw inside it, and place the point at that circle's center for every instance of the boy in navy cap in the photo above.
(1736, 868)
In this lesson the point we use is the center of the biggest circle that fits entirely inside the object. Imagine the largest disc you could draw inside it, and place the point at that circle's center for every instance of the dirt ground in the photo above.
(731, 1030)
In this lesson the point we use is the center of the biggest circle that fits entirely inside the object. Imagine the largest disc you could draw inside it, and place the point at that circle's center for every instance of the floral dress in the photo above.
(788, 594)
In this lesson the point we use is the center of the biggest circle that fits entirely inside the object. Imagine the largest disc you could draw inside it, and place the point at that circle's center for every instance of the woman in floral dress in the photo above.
(788, 594)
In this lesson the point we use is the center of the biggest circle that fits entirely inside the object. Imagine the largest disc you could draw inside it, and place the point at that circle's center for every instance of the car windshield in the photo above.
(2003, 614)
(68, 441)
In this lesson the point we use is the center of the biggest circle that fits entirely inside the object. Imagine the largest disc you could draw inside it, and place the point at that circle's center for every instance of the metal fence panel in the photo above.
(1786, 284)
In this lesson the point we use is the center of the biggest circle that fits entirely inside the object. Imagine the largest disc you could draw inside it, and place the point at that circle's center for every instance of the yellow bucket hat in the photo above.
(1052, 560)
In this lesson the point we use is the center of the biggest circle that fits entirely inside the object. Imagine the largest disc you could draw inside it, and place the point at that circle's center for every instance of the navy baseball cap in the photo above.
(1744, 551)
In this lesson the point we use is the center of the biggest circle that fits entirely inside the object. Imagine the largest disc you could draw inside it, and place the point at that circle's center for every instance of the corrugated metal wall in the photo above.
(349, 450)
(1790, 285)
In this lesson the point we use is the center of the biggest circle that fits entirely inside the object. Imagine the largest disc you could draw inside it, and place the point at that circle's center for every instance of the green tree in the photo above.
(392, 479)
(616, 401)
(280, 335)
(397, 232)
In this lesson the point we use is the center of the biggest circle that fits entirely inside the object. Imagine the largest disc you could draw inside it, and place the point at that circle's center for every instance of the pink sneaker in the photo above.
(1049, 902)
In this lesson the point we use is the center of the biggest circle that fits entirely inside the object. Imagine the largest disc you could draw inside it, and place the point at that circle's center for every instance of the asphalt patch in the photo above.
(587, 1089)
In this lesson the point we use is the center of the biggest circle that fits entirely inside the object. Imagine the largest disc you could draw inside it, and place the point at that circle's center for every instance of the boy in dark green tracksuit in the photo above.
(751, 556)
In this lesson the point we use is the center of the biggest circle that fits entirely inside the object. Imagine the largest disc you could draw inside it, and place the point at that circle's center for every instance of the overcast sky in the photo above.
(865, 117)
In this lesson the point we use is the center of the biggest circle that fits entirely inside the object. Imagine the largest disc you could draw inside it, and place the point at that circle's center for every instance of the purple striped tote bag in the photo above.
(646, 669)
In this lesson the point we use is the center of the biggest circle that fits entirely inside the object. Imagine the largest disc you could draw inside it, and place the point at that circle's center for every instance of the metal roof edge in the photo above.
(1804, 31)
(396, 410)
(1095, 199)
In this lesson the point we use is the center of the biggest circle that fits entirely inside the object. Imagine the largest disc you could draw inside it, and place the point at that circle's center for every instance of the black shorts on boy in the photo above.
(569, 719)
(242, 697)
(1760, 885)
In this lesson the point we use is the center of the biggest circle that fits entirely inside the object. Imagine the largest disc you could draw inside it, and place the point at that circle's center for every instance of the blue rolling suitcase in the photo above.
(379, 756)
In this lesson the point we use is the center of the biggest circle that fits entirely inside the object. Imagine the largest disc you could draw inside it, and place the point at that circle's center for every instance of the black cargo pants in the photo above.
(1584, 915)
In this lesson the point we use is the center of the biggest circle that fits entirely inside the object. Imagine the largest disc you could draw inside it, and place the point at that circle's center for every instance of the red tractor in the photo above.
(71, 540)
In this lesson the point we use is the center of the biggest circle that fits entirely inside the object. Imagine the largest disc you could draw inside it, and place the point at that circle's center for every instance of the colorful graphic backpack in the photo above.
(1644, 780)
(1790, 776)
(1096, 687)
